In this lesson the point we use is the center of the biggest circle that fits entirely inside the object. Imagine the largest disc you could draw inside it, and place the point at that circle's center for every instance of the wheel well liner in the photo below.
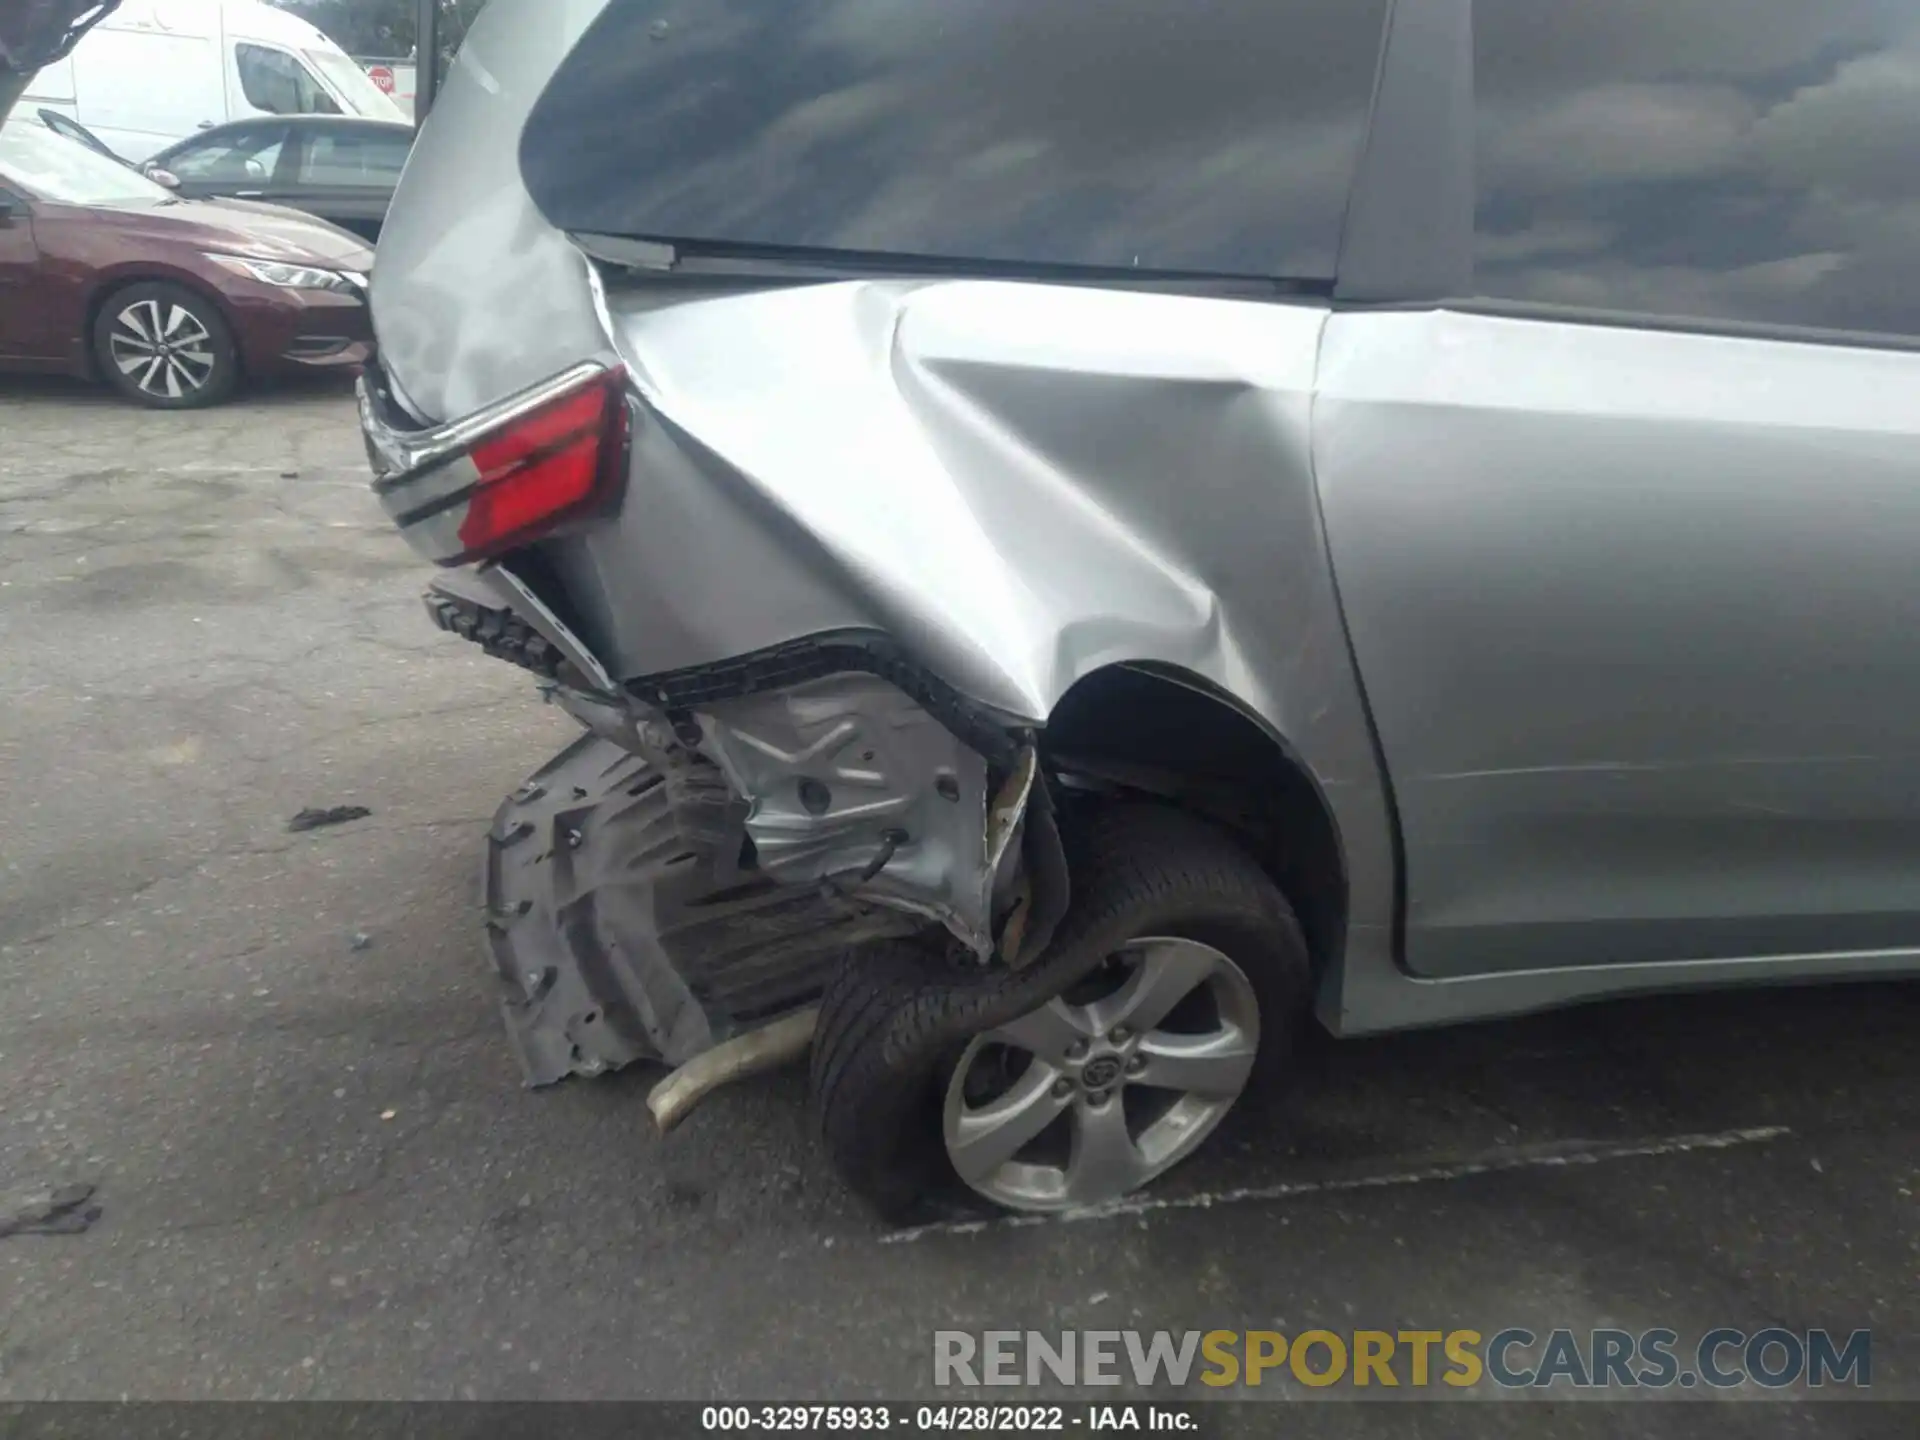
(1173, 734)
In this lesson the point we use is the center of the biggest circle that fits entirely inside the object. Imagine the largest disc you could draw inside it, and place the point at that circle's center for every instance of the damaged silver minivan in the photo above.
(1080, 533)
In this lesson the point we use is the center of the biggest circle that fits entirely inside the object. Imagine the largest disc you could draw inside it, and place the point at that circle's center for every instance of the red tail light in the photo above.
(546, 465)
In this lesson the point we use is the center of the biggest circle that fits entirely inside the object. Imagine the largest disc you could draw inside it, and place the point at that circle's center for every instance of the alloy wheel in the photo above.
(1108, 1086)
(164, 350)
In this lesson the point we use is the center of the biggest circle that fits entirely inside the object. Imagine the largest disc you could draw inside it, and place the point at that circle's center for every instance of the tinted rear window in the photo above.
(1203, 136)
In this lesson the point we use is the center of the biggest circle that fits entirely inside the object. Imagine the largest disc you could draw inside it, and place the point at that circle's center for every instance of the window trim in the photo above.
(1765, 331)
(1408, 233)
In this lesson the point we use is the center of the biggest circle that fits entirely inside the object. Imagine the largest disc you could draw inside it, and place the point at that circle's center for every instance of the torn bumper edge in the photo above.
(845, 813)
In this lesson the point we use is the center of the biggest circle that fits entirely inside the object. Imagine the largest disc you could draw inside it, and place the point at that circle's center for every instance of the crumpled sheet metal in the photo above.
(1025, 483)
(831, 766)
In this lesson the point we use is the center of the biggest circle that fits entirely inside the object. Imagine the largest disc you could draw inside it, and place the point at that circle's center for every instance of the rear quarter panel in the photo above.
(1022, 483)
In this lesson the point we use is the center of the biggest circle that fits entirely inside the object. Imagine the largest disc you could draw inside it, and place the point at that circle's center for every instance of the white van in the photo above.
(156, 71)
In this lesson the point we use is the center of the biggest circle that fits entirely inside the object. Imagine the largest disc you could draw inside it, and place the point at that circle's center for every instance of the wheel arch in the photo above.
(113, 282)
(1164, 731)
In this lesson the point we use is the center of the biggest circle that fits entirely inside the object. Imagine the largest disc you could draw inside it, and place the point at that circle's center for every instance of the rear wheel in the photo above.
(1107, 1086)
(1175, 986)
(166, 346)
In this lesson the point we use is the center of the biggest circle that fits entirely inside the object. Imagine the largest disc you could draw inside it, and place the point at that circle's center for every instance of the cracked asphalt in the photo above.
(320, 1178)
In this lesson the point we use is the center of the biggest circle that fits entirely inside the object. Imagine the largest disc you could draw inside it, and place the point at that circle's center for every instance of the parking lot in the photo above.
(277, 1057)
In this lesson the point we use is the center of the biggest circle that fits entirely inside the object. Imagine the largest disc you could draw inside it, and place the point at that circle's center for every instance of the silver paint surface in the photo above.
(537, 613)
(1638, 622)
(474, 295)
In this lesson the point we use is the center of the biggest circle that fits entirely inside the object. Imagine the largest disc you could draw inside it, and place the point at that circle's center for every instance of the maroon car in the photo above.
(104, 273)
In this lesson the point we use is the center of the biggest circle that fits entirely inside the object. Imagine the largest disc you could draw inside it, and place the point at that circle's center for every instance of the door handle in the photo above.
(248, 194)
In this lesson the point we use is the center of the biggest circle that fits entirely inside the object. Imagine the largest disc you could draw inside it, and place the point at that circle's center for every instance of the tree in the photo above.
(384, 27)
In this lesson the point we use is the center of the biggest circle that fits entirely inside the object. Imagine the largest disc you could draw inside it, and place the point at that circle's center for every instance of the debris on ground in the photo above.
(362, 940)
(337, 815)
(67, 1210)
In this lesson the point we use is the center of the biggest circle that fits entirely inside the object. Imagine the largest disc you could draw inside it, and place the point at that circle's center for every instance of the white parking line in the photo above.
(1523, 1157)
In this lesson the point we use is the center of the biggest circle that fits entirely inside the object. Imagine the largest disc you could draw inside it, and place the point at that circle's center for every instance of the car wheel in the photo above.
(1174, 988)
(166, 346)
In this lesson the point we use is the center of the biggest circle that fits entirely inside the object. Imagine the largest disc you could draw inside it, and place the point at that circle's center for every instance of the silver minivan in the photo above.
(1081, 534)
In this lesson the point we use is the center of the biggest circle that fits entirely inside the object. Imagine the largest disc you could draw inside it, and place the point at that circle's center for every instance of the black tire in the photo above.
(201, 381)
(895, 1017)
(878, 1051)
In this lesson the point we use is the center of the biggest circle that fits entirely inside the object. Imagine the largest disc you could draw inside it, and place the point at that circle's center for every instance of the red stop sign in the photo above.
(381, 75)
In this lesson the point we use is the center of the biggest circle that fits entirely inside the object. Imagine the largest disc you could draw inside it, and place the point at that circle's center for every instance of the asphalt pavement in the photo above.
(276, 1056)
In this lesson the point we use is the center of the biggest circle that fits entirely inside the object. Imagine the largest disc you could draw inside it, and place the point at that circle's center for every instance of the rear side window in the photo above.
(1201, 136)
(386, 157)
(352, 158)
(1717, 160)
(278, 83)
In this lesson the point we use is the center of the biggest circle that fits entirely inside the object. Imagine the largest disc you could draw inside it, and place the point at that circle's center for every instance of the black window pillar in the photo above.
(426, 58)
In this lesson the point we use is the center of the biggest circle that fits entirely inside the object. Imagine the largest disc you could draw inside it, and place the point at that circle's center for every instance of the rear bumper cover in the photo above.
(686, 872)
(624, 928)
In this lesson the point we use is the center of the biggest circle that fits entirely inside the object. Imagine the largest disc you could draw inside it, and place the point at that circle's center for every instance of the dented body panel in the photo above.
(1025, 484)
(1473, 580)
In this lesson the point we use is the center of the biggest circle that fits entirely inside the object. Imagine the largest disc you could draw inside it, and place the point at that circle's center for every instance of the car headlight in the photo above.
(290, 277)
